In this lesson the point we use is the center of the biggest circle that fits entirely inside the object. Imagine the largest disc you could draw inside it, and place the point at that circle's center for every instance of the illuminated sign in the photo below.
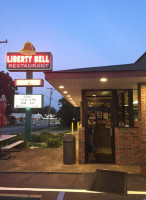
(29, 82)
(28, 101)
(41, 61)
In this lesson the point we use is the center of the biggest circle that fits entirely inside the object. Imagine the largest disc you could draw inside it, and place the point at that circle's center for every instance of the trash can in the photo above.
(69, 149)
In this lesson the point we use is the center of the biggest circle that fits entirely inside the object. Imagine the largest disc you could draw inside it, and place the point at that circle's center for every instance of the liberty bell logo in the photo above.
(28, 49)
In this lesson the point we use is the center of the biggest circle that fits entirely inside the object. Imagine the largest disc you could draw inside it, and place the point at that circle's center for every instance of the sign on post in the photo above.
(28, 60)
(28, 101)
(29, 82)
(41, 61)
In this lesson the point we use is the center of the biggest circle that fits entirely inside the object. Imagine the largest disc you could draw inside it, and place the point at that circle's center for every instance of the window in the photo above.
(127, 108)
(135, 108)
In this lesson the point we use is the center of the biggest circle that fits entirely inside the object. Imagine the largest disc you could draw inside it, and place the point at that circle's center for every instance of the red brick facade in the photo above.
(142, 123)
(82, 145)
(130, 143)
(127, 146)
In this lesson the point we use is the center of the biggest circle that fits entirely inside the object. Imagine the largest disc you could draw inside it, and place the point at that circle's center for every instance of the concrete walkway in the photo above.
(51, 160)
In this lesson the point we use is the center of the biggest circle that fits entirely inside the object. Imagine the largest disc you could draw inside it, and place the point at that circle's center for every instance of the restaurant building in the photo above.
(112, 100)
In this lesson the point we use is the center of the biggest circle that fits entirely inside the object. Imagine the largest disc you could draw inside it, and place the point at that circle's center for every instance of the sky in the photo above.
(79, 33)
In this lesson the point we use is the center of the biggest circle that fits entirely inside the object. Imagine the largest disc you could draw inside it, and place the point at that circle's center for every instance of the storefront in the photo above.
(112, 100)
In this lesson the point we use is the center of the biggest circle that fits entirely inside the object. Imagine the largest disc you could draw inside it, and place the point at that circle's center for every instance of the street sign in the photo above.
(28, 101)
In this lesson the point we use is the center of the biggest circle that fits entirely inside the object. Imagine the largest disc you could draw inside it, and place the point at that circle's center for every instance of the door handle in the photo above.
(111, 131)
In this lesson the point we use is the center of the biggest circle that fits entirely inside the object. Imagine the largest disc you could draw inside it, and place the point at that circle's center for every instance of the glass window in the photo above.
(121, 108)
(135, 107)
(126, 108)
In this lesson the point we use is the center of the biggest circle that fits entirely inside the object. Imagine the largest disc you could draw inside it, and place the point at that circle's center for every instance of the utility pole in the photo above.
(6, 41)
(51, 92)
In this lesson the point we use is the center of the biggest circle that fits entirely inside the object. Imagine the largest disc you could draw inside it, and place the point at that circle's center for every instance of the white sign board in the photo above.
(28, 101)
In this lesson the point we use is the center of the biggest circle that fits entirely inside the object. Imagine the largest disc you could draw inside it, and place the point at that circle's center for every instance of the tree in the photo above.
(44, 111)
(67, 113)
(7, 87)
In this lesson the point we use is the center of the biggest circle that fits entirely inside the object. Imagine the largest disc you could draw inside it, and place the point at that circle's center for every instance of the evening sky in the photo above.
(79, 33)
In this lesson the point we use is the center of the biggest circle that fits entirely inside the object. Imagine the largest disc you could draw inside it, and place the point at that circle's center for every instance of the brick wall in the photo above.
(82, 145)
(127, 146)
(142, 123)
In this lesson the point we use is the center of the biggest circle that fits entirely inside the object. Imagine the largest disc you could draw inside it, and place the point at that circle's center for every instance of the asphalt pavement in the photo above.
(66, 186)
(19, 129)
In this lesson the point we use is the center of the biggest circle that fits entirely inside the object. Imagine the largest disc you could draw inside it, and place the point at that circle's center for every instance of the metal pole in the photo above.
(50, 107)
(72, 127)
(28, 115)
(51, 92)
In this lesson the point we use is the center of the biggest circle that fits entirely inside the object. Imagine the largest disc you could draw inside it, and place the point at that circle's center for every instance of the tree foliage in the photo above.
(67, 113)
(7, 87)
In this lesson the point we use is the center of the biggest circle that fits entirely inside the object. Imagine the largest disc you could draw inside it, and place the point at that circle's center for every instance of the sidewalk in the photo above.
(51, 160)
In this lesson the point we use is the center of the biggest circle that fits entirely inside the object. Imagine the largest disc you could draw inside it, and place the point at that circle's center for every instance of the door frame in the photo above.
(113, 120)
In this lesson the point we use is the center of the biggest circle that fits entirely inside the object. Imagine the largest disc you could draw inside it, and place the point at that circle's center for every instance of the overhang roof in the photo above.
(119, 77)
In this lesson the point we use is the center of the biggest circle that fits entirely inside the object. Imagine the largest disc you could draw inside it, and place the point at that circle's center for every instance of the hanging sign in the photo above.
(28, 59)
(28, 101)
(29, 82)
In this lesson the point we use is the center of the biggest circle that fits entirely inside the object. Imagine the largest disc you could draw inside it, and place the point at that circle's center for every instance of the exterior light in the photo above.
(135, 102)
(65, 92)
(61, 86)
(68, 95)
(103, 79)
(70, 98)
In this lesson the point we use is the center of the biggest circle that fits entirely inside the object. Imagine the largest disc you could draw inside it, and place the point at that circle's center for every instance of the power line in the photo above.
(6, 41)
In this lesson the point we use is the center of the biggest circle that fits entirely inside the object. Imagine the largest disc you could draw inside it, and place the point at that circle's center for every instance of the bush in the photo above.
(51, 140)
(67, 131)
(47, 133)
(38, 138)
(54, 142)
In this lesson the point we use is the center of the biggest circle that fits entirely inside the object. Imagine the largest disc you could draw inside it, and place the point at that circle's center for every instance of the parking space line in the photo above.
(48, 190)
(61, 196)
(62, 191)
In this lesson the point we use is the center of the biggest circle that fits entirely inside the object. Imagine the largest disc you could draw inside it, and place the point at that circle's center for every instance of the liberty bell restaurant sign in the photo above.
(28, 59)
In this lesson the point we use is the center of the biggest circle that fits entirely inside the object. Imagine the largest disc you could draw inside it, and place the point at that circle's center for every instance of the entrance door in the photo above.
(99, 128)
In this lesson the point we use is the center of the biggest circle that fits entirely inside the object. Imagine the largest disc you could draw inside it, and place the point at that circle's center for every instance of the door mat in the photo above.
(109, 182)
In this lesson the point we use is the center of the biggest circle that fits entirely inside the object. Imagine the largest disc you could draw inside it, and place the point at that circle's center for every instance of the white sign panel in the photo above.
(28, 101)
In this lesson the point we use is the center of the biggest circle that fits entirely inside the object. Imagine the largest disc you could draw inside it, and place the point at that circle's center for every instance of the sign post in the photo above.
(28, 114)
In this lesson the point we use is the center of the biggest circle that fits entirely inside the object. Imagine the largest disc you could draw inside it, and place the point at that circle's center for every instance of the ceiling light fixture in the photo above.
(61, 86)
(135, 102)
(65, 92)
(103, 79)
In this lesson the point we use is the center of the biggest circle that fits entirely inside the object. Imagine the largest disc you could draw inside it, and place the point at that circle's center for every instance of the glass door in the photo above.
(99, 129)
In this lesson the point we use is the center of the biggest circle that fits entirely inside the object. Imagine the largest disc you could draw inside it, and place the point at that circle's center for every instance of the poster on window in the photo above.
(108, 123)
(92, 115)
(99, 114)
(105, 115)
